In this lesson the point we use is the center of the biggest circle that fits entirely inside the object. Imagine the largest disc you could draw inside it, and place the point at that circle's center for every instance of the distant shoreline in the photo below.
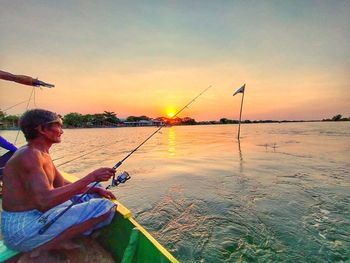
(109, 119)
(204, 123)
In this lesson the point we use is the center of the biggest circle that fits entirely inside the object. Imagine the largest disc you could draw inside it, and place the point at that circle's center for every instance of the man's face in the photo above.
(53, 131)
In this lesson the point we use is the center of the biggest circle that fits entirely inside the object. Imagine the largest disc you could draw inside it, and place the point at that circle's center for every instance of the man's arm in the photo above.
(59, 179)
(45, 197)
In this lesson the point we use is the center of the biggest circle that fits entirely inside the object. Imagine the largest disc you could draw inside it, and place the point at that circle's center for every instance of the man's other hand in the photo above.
(104, 193)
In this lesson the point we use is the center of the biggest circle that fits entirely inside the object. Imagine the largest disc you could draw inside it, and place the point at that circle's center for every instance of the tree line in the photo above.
(104, 119)
(110, 119)
(337, 117)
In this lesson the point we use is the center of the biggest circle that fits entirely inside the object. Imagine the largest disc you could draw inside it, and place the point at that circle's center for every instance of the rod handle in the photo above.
(117, 165)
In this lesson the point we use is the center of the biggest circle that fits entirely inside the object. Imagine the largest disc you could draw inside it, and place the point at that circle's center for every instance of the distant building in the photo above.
(175, 121)
(152, 122)
(170, 121)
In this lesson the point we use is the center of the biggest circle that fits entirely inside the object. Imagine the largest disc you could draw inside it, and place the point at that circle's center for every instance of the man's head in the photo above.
(37, 122)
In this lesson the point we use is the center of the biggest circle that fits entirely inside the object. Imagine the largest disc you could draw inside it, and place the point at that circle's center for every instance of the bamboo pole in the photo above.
(240, 116)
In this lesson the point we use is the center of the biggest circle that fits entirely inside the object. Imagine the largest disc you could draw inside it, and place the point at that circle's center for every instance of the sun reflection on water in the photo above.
(171, 142)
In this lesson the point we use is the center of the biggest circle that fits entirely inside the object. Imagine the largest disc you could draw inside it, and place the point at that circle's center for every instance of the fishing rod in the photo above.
(126, 157)
(122, 178)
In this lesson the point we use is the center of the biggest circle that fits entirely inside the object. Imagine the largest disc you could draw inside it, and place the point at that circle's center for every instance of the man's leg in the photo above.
(71, 233)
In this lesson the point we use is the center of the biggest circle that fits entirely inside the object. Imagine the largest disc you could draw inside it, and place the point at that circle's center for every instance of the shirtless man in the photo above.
(34, 192)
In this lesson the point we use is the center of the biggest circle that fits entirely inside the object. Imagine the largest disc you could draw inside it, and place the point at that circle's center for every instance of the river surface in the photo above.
(281, 194)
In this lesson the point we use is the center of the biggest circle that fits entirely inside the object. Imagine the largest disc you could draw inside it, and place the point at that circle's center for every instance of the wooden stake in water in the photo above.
(240, 90)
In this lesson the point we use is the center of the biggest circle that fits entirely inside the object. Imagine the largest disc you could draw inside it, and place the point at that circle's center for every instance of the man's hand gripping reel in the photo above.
(121, 179)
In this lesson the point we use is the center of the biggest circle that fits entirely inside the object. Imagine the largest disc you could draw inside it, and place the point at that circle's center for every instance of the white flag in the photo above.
(240, 90)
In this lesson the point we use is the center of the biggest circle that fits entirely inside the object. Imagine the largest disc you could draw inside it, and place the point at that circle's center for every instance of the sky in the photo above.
(153, 57)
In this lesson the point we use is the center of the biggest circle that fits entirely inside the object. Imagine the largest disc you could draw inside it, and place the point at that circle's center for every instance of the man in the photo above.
(35, 192)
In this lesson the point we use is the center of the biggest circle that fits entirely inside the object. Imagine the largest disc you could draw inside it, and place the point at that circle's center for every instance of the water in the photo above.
(281, 194)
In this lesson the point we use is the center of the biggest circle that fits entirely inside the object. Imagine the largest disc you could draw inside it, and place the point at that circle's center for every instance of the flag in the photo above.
(240, 90)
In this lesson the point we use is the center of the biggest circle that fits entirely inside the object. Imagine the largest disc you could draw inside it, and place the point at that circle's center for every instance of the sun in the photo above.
(170, 111)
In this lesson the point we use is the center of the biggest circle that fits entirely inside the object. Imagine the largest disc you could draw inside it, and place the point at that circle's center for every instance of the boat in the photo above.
(125, 239)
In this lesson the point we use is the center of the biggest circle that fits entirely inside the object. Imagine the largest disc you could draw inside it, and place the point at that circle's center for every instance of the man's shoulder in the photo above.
(27, 151)
(27, 156)
(23, 160)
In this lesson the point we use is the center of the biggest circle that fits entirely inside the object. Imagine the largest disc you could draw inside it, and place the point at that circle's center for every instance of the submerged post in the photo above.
(240, 90)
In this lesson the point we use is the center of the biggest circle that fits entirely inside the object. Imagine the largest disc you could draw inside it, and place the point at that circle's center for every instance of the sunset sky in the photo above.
(146, 57)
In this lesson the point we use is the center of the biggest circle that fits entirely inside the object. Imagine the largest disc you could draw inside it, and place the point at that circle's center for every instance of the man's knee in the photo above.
(108, 214)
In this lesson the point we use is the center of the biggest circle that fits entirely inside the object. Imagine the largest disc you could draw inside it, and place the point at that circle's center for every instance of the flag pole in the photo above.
(240, 115)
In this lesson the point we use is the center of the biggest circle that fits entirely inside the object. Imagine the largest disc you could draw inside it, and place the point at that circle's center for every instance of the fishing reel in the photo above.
(121, 179)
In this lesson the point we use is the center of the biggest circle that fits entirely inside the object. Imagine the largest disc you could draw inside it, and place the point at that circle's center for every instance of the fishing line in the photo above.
(76, 158)
(34, 97)
(15, 105)
(30, 97)
(19, 103)
(120, 179)
(96, 149)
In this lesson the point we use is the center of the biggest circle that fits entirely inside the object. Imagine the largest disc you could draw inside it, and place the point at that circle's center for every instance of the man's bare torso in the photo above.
(18, 195)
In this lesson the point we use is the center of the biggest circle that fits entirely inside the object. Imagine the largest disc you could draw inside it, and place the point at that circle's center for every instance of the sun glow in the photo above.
(170, 112)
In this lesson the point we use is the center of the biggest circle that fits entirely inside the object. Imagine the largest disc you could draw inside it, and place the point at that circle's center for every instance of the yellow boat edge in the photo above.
(121, 209)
